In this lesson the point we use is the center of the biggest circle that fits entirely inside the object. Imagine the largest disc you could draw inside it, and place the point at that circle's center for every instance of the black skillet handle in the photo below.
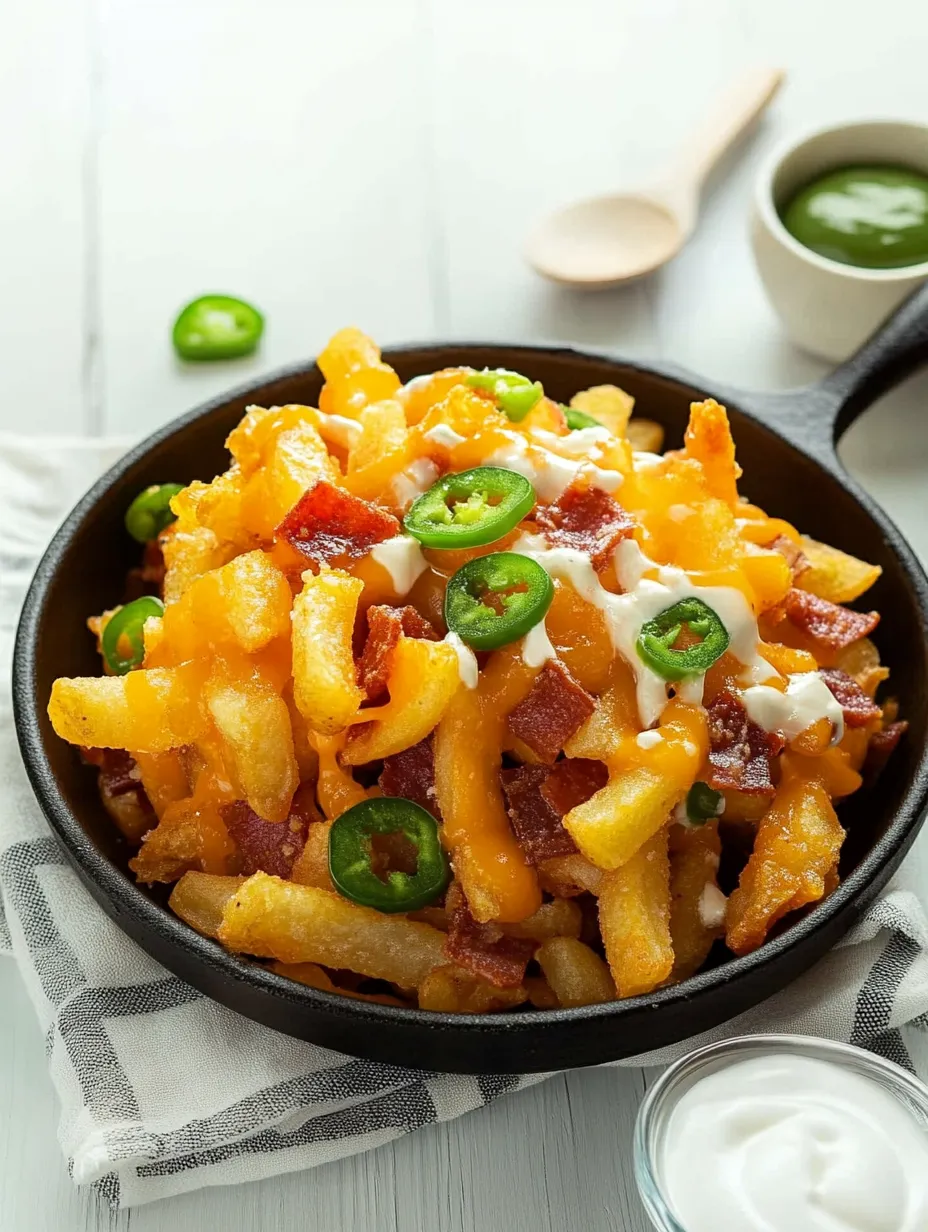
(816, 417)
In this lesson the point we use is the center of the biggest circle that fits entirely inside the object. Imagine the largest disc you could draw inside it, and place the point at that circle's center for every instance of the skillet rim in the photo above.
(124, 896)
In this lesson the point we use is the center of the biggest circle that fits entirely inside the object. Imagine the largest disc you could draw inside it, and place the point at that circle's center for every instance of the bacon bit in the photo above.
(858, 708)
(148, 578)
(411, 774)
(270, 846)
(827, 622)
(327, 523)
(535, 822)
(881, 746)
(384, 626)
(555, 708)
(792, 554)
(118, 771)
(573, 781)
(484, 949)
(740, 752)
(587, 519)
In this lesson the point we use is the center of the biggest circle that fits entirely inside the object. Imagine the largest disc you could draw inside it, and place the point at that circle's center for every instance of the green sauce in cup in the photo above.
(870, 216)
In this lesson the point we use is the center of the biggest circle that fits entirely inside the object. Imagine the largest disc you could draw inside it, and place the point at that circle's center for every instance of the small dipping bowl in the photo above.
(826, 306)
(654, 1114)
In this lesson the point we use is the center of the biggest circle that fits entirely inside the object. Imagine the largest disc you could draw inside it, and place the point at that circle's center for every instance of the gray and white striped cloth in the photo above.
(162, 1090)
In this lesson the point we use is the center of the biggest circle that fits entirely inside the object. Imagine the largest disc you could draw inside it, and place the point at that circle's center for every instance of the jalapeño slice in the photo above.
(657, 636)
(515, 393)
(122, 642)
(151, 511)
(471, 508)
(496, 599)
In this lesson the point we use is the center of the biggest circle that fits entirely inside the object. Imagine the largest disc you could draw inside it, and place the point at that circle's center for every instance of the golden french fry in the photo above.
(697, 906)
(540, 993)
(615, 716)
(164, 778)
(150, 710)
(708, 439)
(311, 867)
(634, 919)
(271, 918)
(423, 679)
(189, 552)
(254, 724)
(645, 436)
(200, 899)
(294, 460)
(833, 574)
(862, 661)
(383, 432)
(575, 973)
(567, 876)
(797, 846)
(451, 990)
(325, 684)
(560, 918)
(608, 404)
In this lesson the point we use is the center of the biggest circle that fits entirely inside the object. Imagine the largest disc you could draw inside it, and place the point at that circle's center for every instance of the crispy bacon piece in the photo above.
(270, 846)
(858, 708)
(555, 708)
(881, 746)
(740, 752)
(830, 623)
(484, 949)
(538, 797)
(587, 519)
(411, 774)
(384, 626)
(536, 824)
(147, 578)
(119, 773)
(328, 524)
(792, 553)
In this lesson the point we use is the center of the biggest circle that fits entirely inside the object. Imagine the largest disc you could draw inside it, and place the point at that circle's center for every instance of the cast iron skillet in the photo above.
(786, 447)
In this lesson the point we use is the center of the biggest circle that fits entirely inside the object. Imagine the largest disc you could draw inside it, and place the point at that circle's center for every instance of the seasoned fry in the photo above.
(833, 574)
(271, 918)
(324, 683)
(697, 906)
(634, 918)
(608, 404)
(451, 989)
(314, 977)
(575, 974)
(644, 435)
(201, 898)
(254, 724)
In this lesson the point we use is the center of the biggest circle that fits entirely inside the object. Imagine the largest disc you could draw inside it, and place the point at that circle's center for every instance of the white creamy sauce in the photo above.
(786, 1143)
(417, 478)
(536, 646)
(402, 558)
(645, 598)
(467, 660)
(807, 699)
(339, 429)
(648, 739)
(548, 473)
(581, 443)
(443, 434)
(644, 461)
(712, 906)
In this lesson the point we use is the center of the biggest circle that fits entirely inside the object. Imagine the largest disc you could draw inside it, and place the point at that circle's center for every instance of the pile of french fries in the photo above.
(249, 692)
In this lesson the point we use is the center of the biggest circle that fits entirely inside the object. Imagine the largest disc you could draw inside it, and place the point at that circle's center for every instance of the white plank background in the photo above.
(379, 162)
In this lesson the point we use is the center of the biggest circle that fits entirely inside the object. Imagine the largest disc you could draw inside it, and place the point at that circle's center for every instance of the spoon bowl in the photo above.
(606, 240)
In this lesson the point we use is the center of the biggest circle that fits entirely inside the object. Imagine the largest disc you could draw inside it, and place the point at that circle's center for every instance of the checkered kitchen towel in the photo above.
(163, 1090)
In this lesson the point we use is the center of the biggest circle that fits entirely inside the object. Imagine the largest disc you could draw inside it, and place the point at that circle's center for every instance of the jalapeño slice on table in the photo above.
(702, 802)
(496, 599)
(471, 508)
(657, 636)
(122, 641)
(515, 393)
(151, 511)
(353, 855)
(217, 327)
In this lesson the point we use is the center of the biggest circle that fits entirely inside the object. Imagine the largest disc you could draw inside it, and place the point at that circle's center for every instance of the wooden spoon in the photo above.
(607, 240)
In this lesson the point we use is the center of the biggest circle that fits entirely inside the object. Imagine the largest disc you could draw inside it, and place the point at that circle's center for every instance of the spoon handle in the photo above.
(735, 111)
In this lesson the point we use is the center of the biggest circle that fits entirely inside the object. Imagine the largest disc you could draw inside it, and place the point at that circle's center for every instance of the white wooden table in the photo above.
(377, 162)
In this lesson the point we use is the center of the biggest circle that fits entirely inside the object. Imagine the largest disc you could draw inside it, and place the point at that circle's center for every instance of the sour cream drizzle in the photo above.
(645, 598)
(536, 646)
(339, 429)
(402, 558)
(417, 478)
(550, 474)
(807, 699)
(467, 660)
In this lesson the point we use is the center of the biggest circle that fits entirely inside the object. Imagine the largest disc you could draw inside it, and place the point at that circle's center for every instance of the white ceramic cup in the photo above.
(827, 307)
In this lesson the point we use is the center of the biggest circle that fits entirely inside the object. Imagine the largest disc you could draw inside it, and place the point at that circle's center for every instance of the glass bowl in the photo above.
(661, 1099)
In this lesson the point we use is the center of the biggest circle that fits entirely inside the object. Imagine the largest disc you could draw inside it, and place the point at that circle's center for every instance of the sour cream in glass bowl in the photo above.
(784, 1133)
